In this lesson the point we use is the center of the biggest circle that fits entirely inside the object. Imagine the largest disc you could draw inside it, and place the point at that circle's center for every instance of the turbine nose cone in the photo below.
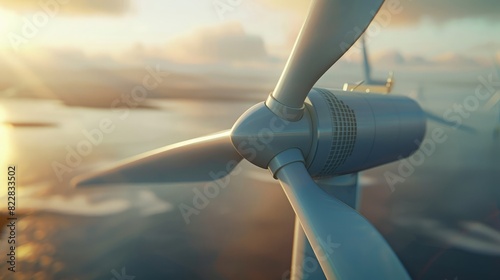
(259, 135)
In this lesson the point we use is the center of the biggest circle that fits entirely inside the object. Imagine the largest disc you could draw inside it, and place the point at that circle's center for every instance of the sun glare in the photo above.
(8, 21)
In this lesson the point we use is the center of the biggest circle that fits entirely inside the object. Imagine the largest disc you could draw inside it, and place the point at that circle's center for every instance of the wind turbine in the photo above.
(370, 85)
(306, 134)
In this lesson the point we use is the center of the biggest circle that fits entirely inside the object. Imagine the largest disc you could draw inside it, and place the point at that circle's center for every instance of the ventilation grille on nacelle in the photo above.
(344, 132)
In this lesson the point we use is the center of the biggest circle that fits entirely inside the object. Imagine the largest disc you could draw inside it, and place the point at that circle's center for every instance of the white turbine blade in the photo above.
(438, 119)
(345, 243)
(366, 62)
(331, 28)
(201, 159)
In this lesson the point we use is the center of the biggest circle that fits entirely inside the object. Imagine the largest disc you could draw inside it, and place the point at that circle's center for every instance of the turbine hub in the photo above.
(259, 135)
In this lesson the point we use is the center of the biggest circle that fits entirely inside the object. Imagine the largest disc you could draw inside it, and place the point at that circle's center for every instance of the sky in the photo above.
(206, 31)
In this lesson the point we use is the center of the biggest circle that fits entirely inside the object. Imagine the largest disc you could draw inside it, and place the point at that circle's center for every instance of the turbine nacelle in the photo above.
(338, 133)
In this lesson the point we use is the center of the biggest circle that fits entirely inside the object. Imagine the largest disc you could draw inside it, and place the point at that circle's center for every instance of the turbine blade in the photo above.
(201, 159)
(438, 119)
(330, 29)
(366, 62)
(339, 235)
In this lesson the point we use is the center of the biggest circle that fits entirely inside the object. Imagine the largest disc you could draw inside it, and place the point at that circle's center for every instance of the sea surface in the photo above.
(443, 221)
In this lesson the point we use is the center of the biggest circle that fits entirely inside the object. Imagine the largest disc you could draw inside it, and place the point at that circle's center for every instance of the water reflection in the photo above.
(246, 232)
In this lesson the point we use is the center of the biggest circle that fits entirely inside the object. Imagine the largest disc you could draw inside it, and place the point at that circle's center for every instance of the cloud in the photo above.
(71, 7)
(454, 60)
(95, 204)
(489, 48)
(62, 58)
(393, 58)
(222, 43)
(406, 12)
(412, 12)
(293, 5)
